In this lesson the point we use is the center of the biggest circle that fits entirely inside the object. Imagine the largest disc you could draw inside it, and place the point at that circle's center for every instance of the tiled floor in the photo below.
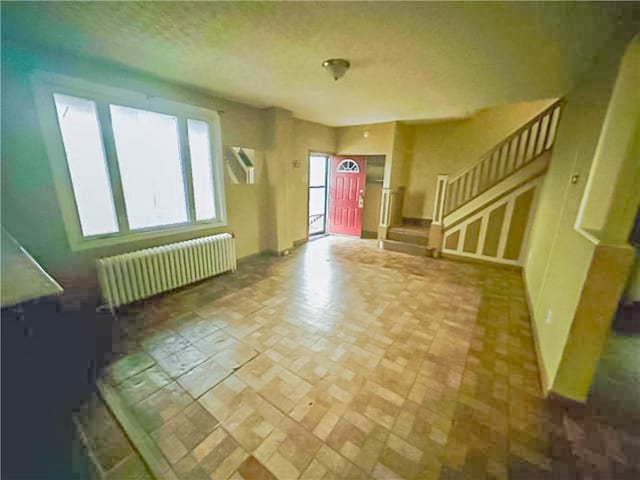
(345, 361)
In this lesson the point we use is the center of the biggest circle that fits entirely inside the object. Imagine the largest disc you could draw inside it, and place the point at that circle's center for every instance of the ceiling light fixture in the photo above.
(336, 67)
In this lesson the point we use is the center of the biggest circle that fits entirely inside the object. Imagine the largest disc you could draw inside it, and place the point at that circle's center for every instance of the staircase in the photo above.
(484, 212)
(408, 238)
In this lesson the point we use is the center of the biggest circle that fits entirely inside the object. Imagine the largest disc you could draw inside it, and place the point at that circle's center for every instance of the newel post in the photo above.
(436, 230)
(385, 214)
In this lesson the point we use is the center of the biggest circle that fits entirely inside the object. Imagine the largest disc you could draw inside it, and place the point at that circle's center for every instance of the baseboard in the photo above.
(369, 234)
(253, 256)
(544, 382)
(479, 261)
(302, 241)
(269, 252)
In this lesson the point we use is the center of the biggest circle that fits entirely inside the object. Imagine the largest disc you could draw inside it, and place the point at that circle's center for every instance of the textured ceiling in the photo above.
(410, 61)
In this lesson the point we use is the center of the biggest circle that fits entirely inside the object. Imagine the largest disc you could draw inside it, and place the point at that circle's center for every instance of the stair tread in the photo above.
(408, 248)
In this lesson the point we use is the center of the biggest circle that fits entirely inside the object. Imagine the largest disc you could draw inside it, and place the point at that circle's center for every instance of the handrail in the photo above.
(509, 137)
(240, 166)
(518, 149)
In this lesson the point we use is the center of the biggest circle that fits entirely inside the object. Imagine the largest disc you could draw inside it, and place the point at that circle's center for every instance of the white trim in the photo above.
(525, 174)
(463, 236)
(506, 225)
(44, 84)
(345, 162)
(440, 193)
(484, 223)
(509, 201)
(481, 257)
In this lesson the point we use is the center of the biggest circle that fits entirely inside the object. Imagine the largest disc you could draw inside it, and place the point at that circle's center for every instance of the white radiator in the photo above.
(141, 274)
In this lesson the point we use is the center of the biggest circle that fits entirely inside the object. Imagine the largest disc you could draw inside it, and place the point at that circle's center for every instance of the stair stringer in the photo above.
(494, 230)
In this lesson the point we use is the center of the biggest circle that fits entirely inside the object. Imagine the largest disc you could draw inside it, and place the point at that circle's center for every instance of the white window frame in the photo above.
(45, 84)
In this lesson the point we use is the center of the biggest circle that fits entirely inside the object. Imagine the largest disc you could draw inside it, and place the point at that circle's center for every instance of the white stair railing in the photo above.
(240, 164)
(517, 150)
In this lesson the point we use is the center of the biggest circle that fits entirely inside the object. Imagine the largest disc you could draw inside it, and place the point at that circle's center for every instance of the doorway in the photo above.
(318, 175)
(346, 197)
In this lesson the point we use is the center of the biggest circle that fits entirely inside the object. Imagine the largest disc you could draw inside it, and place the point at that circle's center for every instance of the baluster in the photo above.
(508, 163)
(516, 159)
(467, 183)
(476, 180)
(524, 136)
(509, 157)
(487, 172)
(542, 134)
(445, 192)
(554, 127)
(454, 195)
(494, 168)
(454, 199)
(535, 138)
(522, 145)
(502, 164)
(530, 141)
(481, 174)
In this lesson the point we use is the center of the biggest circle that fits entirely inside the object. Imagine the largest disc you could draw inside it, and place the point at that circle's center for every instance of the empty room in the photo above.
(314, 240)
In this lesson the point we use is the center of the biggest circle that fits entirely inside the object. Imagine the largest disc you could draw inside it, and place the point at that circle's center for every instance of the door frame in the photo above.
(327, 178)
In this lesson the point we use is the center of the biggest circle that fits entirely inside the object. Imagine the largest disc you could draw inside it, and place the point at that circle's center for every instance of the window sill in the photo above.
(83, 244)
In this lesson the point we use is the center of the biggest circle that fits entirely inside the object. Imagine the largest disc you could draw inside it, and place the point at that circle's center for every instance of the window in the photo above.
(127, 166)
(317, 194)
(348, 166)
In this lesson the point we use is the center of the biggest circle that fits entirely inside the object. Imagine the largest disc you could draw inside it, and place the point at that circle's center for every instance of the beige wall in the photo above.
(371, 210)
(351, 140)
(560, 258)
(30, 209)
(308, 137)
(449, 147)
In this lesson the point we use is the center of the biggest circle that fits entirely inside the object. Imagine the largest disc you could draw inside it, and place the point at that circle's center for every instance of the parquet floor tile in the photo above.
(343, 361)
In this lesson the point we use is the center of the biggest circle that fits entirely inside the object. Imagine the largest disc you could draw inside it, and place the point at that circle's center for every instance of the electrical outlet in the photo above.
(549, 316)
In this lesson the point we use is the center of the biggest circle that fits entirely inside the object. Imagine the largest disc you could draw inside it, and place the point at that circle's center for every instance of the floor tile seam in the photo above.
(208, 356)
(174, 380)
(231, 372)
(166, 420)
(156, 390)
(418, 373)
(300, 425)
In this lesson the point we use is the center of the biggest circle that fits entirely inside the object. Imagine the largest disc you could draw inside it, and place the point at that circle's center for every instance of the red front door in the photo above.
(346, 195)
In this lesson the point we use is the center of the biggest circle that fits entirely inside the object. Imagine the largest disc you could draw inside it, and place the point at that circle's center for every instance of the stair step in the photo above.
(403, 237)
(410, 248)
(409, 234)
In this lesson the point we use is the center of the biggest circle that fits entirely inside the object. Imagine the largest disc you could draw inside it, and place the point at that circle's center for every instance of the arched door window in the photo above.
(348, 166)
